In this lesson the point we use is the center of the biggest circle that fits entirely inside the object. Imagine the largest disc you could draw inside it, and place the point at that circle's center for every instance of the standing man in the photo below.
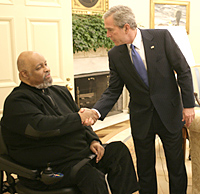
(156, 106)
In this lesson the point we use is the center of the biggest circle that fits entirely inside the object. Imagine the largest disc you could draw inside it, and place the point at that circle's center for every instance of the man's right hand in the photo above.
(88, 116)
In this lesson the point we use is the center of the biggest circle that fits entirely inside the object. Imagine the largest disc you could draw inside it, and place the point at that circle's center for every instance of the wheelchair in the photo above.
(9, 170)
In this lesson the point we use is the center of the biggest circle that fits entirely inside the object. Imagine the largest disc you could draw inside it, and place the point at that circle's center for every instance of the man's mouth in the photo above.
(47, 75)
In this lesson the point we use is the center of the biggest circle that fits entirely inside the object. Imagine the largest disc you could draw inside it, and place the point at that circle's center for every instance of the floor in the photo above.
(119, 132)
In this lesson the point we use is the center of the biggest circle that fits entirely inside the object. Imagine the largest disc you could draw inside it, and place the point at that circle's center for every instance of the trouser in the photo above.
(117, 164)
(146, 160)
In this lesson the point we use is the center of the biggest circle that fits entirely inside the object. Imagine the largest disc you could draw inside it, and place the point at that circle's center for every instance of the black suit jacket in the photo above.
(163, 58)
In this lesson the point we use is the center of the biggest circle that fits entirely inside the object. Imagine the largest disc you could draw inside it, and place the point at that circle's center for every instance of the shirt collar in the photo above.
(24, 85)
(137, 40)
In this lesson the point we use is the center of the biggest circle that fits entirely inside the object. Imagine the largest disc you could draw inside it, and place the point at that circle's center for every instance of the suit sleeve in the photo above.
(112, 93)
(90, 134)
(181, 67)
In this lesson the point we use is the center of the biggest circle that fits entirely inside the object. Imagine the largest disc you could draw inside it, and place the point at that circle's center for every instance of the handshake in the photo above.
(88, 116)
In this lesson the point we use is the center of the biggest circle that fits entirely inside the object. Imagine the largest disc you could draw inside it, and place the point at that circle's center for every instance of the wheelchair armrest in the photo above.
(9, 165)
(197, 98)
(80, 164)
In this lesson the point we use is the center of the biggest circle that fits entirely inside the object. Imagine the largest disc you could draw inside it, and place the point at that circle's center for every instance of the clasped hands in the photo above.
(88, 116)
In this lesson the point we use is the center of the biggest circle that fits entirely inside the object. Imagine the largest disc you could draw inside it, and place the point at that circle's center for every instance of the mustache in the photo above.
(46, 74)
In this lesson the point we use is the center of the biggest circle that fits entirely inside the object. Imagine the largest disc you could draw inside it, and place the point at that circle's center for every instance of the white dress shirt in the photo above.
(139, 47)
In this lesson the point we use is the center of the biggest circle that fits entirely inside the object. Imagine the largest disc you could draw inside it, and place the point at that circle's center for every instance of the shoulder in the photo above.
(60, 89)
(117, 49)
(20, 94)
(19, 91)
(155, 33)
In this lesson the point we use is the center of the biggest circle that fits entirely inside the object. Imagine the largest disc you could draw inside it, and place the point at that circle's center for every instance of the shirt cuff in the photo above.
(97, 112)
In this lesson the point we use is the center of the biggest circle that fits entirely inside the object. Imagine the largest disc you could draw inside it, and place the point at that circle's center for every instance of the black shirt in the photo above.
(42, 126)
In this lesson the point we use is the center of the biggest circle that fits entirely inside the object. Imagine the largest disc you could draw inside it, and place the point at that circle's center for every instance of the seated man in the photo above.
(41, 124)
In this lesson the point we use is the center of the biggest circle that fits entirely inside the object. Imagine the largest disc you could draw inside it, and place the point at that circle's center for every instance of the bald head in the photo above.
(24, 59)
(33, 69)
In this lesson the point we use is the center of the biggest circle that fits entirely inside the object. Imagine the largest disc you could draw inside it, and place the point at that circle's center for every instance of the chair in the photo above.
(196, 82)
(12, 169)
(195, 70)
(185, 136)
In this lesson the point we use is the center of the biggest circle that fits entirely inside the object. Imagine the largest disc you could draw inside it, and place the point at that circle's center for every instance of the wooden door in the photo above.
(44, 26)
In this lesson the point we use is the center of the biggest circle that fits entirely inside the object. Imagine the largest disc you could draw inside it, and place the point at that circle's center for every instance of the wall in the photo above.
(44, 26)
(194, 29)
(141, 8)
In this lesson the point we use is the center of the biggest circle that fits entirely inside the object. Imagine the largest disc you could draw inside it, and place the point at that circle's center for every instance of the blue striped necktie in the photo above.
(139, 65)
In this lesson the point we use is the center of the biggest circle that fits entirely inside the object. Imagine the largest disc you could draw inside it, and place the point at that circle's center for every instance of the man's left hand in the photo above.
(188, 116)
(98, 149)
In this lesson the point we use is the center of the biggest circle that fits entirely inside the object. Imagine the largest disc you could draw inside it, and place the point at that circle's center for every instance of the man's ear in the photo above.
(24, 74)
(126, 27)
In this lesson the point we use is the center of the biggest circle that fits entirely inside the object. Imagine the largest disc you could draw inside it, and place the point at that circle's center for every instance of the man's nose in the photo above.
(46, 69)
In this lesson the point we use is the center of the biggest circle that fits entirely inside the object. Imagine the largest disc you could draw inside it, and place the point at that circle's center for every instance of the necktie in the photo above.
(139, 65)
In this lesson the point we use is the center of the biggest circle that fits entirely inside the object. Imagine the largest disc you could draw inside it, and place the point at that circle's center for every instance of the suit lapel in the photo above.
(150, 48)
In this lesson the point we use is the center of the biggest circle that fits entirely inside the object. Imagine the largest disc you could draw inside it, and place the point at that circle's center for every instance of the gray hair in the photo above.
(122, 15)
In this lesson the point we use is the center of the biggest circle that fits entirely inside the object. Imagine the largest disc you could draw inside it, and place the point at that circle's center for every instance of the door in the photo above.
(44, 26)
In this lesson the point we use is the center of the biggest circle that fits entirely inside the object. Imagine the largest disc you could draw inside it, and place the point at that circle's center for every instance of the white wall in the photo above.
(140, 8)
(195, 29)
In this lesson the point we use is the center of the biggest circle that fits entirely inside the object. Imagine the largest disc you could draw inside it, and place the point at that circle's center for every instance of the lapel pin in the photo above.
(152, 47)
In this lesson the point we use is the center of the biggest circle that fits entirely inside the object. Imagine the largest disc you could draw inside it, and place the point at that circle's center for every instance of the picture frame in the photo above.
(170, 13)
(89, 6)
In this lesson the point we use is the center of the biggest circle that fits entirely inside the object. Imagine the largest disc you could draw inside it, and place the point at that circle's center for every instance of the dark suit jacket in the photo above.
(163, 57)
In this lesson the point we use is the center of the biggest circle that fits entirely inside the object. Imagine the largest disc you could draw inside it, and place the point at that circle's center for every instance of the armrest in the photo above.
(9, 165)
(196, 98)
(80, 164)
